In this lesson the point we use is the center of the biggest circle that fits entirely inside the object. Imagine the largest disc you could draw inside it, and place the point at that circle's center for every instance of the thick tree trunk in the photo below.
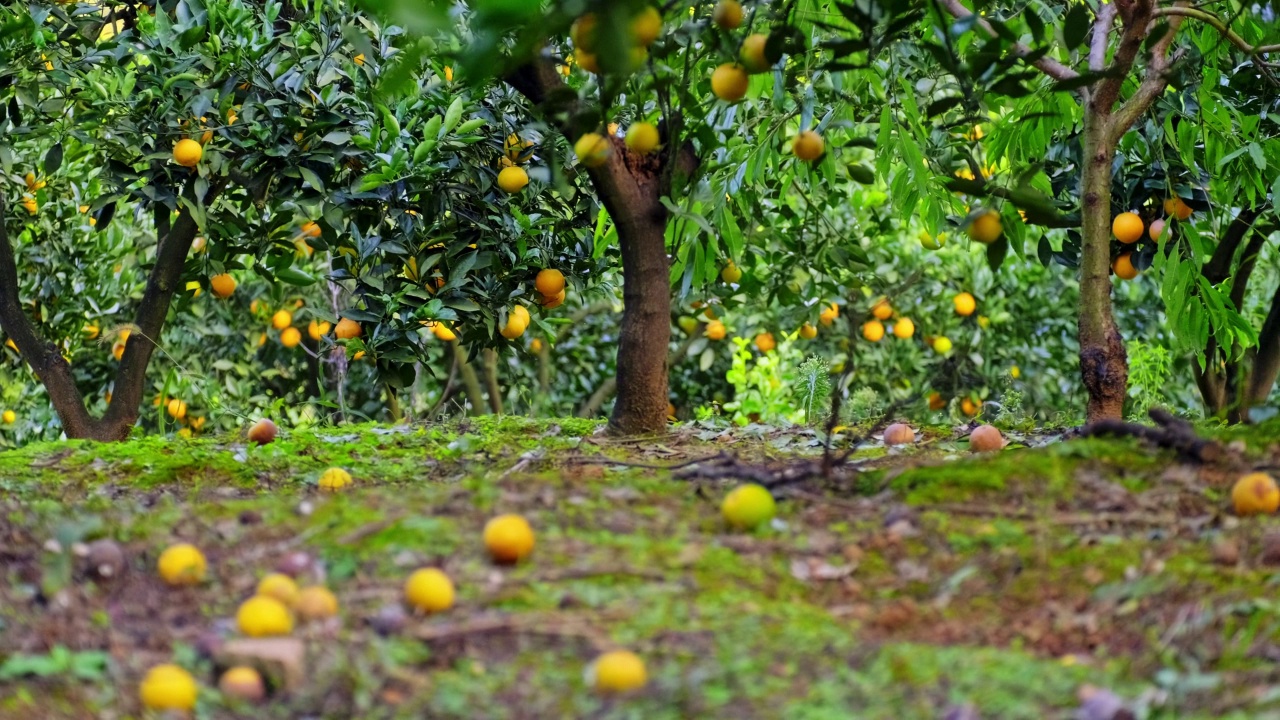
(641, 406)
(1104, 366)
(630, 187)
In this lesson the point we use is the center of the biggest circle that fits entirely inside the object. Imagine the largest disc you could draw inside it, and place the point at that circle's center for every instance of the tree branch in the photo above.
(1266, 365)
(1247, 262)
(1136, 15)
(1046, 64)
(1152, 86)
(45, 359)
(1221, 26)
(1219, 266)
(162, 284)
(1101, 34)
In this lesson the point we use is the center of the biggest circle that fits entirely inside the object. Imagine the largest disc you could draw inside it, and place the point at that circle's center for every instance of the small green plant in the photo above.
(1150, 370)
(760, 395)
(813, 389)
(1011, 414)
(863, 406)
(81, 665)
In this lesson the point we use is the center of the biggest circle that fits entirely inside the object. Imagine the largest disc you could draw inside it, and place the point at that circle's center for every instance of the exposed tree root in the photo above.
(1172, 432)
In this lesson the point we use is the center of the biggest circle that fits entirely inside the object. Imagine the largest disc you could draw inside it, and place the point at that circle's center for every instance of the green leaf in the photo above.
(293, 276)
(451, 117)
(1075, 26)
(312, 178)
(53, 159)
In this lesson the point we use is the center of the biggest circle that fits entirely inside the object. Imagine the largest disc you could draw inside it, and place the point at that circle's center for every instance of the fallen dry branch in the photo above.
(1171, 432)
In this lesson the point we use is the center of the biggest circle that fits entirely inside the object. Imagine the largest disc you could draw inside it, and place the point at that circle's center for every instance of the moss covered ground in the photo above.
(928, 581)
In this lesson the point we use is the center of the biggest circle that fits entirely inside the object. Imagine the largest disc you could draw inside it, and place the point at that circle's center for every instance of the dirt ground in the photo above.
(1057, 579)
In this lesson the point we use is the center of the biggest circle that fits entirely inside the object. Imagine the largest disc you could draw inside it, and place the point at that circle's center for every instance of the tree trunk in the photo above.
(470, 382)
(54, 371)
(630, 187)
(491, 381)
(1104, 366)
(1266, 364)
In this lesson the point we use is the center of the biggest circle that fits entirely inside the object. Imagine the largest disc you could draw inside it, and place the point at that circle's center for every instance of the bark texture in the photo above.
(1104, 366)
(630, 187)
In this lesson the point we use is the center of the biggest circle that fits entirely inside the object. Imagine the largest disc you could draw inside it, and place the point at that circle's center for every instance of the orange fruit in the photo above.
(508, 538)
(727, 14)
(549, 282)
(619, 671)
(1255, 494)
(808, 146)
(290, 337)
(965, 304)
(752, 53)
(1175, 207)
(222, 285)
(513, 179)
(808, 332)
(1127, 227)
(986, 228)
(904, 328)
(873, 330)
(1123, 267)
(310, 229)
(882, 310)
(729, 82)
(715, 330)
(592, 150)
(347, 329)
(282, 319)
(187, 152)
(765, 342)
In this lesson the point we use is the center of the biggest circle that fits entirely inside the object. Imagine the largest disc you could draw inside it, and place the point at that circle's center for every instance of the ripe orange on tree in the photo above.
(347, 329)
(1127, 227)
(1175, 207)
(752, 53)
(873, 330)
(549, 282)
(808, 146)
(765, 342)
(965, 304)
(729, 82)
(187, 152)
(222, 285)
(986, 228)
(727, 14)
(882, 310)
(1123, 267)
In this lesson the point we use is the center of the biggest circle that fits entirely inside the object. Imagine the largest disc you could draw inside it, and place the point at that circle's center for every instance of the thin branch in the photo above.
(1046, 64)
(1221, 26)
(1219, 265)
(1101, 34)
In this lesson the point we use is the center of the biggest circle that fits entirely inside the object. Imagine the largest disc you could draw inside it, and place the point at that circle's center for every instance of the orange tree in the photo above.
(259, 131)
(727, 123)
(1042, 127)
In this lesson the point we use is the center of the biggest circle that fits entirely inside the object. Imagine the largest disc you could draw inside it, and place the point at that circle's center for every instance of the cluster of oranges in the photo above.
(1128, 228)
(874, 330)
